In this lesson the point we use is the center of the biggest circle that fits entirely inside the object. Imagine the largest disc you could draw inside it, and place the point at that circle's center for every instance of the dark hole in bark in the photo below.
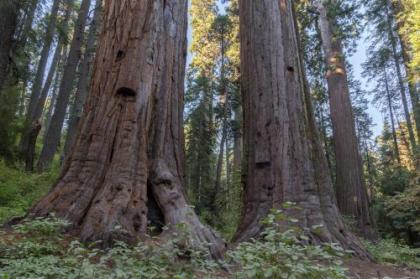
(291, 69)
(120, 55)
(126, 92)
(262, 165)
(155, 216)
(137, 222)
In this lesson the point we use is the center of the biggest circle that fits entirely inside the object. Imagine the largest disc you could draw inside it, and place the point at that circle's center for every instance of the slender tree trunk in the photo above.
(325, 141)
(391, 116)
(45, 53)
(54, 93)
(23, 35)
(228, 163)
(398, 7)
(38, 81)
(9, 10)
(84, 75)
(54, 131)
(350, 187)
(369, 169)
(401, 81)
(285, 161)
(224, 100)
(36, 118)
(36, 114)
(57, 82)
(219, 167)
(20, 46)
(131, 142)
(237, 141)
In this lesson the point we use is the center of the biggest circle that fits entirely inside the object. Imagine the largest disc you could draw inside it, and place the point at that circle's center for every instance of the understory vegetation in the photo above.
(36, 249)
(39, 249)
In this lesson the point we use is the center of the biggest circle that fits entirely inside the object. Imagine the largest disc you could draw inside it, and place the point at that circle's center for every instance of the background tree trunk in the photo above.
(404, 100)
(45, 53)
(285, 161)
(398, 8)
(391, 116)
(351, 190)
(131, 140)
(37, 114)
(8, 20)
(54, 130)
(84, 78)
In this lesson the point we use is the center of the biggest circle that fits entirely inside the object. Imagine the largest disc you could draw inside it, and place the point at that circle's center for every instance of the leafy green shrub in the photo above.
(19, 190)
(389, 251)
(394, 180)
(404, 210)
(281, 254)
(37, 251)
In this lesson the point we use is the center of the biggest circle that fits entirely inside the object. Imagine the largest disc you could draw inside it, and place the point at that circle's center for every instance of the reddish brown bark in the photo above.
(130, 145)
(351, 190)
(284, 158)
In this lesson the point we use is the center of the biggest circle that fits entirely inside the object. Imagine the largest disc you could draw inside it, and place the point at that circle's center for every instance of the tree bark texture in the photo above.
(84, 77)
(130, 145)
(8, 20)
(284, 159)
(351, 188)
(54, 130)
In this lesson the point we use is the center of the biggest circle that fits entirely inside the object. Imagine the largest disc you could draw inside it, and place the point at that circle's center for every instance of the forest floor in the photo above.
(360, 269)
(37, 249)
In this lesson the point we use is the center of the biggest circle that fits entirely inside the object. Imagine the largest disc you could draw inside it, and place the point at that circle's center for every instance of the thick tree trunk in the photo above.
(285, 161)
(130, 144)
(8, 20)
(351, 189)
(391, 116)
(54, 130)
(84, 78)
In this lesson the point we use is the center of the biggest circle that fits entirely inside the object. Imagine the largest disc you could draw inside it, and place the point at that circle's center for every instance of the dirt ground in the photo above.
(360, 269)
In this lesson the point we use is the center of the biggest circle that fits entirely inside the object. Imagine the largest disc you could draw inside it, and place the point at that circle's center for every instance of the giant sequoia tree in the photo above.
(351, 188)
(129, 152)
(284, 157)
